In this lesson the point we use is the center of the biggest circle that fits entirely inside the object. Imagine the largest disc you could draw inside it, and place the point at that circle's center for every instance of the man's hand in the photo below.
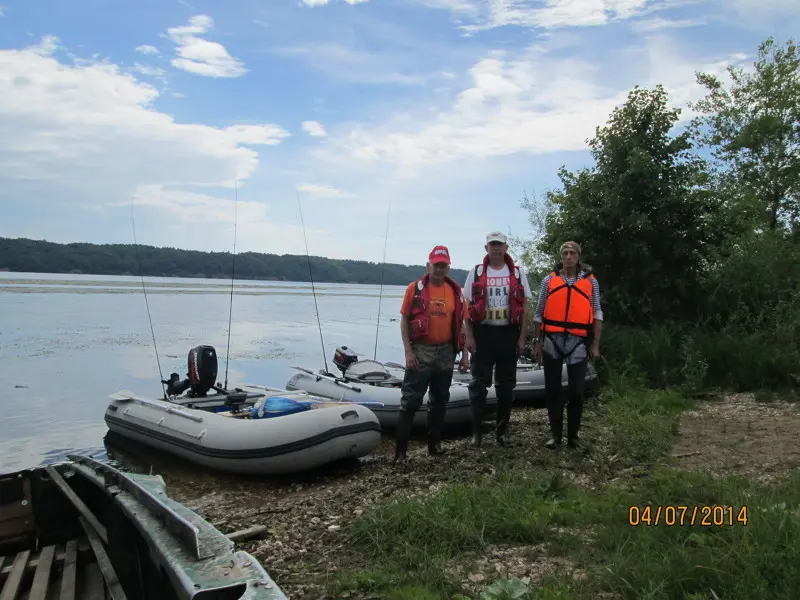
(463, 364)
(521, 345)
(470, 345)
(595, 350)
(411, 359)
(537, 351)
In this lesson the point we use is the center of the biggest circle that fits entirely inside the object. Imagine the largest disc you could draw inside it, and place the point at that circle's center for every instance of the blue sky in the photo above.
(450, 110)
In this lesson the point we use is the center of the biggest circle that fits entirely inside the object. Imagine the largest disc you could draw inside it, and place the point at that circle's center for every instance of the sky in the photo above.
(199, 123)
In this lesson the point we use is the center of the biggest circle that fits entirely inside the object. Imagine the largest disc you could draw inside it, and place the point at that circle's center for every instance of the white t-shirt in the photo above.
(497, 289)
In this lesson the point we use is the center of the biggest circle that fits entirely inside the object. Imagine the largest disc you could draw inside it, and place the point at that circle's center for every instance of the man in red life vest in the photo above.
(495, 326)
(431, 326)
(569, 320)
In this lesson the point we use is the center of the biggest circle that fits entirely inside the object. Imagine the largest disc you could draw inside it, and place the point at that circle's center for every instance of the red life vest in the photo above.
(516, 293)
(568, 307)
(419, 317)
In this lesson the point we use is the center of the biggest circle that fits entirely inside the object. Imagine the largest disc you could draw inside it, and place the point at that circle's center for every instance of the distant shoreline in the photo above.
(23, 255)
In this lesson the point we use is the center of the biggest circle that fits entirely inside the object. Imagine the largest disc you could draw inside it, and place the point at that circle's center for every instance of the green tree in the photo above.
(754, 128)
(641, 214)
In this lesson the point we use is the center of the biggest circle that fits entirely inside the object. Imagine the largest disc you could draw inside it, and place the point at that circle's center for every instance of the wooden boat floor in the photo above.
(67, 571)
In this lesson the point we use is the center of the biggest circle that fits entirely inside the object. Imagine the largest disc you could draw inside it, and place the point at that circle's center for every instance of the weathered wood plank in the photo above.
(104, 562)
(11, 589)
(41, 577)
(77, 503)
(70, 571)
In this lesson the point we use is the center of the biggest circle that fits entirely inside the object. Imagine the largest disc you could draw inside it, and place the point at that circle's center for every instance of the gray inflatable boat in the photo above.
(270, 431)
(530, 380)
(370, 381)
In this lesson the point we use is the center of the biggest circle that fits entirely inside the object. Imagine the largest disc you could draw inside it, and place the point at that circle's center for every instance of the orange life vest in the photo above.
(419, 317)
(516, 293)
(568, 307)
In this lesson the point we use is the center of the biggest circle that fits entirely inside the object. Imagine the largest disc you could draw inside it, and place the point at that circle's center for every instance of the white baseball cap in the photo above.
(496, 236)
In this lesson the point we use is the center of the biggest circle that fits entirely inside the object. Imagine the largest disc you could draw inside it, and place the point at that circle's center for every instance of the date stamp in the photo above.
(679, 515)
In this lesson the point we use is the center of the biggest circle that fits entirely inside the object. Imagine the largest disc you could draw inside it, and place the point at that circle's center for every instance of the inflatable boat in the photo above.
(270, 431)
(82, 529)
(530, 381)
(370, 381)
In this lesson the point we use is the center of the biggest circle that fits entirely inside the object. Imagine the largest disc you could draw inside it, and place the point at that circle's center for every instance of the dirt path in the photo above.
(737, 434)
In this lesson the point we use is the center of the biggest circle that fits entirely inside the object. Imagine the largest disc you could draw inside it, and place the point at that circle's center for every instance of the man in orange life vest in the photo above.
(569, 320)
(496, 326)
(431, 326)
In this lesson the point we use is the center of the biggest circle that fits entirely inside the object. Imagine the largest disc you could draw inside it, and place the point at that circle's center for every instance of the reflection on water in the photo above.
(62, 354)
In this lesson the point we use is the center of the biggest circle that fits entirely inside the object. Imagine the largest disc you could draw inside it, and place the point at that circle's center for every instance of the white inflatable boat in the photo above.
(530, 381)
(271, 431)
(378, 385)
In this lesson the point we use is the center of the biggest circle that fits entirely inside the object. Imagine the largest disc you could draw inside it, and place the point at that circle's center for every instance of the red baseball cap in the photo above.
(439, 254)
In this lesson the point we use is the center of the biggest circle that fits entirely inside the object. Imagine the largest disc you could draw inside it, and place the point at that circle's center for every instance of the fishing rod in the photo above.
(383, 268)
(316, 308)
(147, 304)
(233, 274)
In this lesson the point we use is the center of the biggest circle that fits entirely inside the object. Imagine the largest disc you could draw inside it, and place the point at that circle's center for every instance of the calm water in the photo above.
(67, 341)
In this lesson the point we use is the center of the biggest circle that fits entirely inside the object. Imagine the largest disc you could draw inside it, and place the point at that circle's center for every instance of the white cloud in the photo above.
(146, 49)
(87, 130)
(658, 24)
(194, 207)
(3, 10)
(269, 135)
(149, 71)
(529, 104)
(351, 65)
(313, 3)
(456, 6)
(547, 14)
(200, 56)
(314, 128)
(321, 191)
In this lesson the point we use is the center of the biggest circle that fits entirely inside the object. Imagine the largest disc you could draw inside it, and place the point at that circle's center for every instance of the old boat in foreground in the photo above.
(82, 529)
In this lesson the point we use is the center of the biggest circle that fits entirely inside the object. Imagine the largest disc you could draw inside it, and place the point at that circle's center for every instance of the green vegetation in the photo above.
(749, 551)
(699, 264)
(36, 256)
(698, 258)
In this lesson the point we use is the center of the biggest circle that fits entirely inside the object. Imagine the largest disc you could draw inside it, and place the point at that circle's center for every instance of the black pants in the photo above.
(433, 375)
(555, 407)
(496, 350)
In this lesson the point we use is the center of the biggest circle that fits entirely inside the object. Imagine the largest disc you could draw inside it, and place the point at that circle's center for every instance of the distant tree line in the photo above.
(39, 256)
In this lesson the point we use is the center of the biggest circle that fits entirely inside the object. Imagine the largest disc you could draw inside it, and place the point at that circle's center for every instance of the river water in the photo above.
(68, 341)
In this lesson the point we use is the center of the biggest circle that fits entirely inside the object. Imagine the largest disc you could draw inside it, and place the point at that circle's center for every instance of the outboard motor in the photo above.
(202, 375)
(344, 357)
(202, 370)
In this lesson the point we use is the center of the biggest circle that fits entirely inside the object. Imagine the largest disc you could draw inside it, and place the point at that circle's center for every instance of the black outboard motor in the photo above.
(344, 357)
(202, 375)
(202, 369)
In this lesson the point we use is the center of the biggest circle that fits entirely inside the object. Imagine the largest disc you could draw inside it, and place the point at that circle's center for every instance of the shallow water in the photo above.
(67, 341)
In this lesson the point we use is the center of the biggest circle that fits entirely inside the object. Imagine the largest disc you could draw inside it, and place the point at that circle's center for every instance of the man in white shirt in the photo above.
(497, 292)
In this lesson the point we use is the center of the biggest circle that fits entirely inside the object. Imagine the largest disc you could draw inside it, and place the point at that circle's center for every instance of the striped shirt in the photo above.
(558, 345)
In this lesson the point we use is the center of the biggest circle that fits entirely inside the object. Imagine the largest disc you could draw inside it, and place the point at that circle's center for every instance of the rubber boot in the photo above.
(402, 434)
(478, 406)
(435, 422)
(503, 419)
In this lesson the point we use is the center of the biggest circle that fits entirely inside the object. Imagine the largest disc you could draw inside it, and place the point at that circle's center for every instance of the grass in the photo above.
(415, 547)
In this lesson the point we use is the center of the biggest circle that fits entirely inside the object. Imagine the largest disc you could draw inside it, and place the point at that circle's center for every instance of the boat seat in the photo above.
(368, 371)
